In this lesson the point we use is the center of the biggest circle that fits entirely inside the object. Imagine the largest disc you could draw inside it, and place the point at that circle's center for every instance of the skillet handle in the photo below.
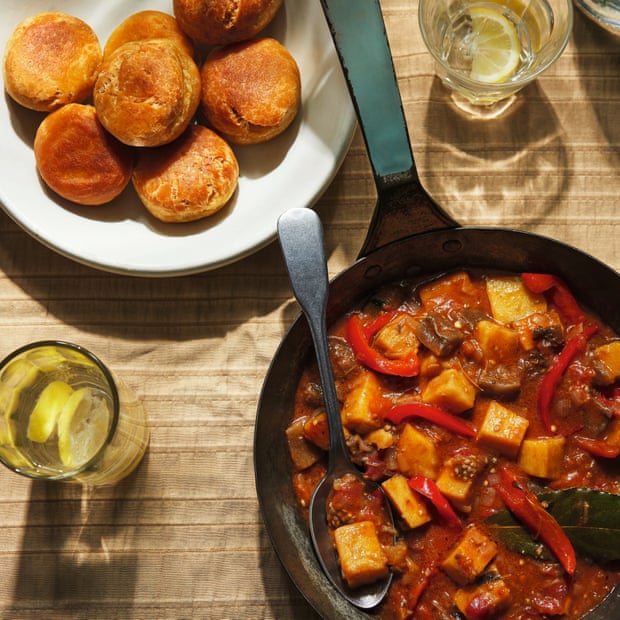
(403, 207)
(361, 42)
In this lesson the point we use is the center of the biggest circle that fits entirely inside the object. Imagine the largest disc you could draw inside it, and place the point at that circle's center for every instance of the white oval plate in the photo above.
(291, 171)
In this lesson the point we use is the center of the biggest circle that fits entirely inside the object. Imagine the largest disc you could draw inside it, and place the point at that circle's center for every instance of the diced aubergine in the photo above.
(457, 476)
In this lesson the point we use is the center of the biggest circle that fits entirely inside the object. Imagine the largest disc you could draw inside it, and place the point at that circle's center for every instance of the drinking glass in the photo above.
(485, 51)
(65, 416)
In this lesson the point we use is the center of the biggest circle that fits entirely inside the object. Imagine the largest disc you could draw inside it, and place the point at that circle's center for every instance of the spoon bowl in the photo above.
(301, 239)
(364, 597)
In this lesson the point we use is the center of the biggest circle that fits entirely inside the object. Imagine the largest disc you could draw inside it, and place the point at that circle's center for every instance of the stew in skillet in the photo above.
(488, 407)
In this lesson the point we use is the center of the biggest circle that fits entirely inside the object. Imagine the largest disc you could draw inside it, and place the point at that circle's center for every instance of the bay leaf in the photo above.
(591, 520)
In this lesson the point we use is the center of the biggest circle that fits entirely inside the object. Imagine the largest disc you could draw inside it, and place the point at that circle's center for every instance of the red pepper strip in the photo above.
(425, 486)
(526, 507)
(538, 282)
(379, 322)
(431, 413)
(359, 338)
(559, 293)
(598, 447)
(416, 591)
(550, 382)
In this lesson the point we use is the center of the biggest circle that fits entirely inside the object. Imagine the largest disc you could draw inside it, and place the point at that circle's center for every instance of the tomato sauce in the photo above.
(485, 345)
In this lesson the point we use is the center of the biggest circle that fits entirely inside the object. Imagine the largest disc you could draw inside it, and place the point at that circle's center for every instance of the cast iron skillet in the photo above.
(409, 237)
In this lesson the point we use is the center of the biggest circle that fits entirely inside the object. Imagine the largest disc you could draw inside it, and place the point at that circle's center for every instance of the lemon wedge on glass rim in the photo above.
(83, 426)
(496, 47)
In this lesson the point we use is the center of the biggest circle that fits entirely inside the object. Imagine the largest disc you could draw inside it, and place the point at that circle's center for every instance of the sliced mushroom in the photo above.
(303, 453)
(439, 335)
(501, 379)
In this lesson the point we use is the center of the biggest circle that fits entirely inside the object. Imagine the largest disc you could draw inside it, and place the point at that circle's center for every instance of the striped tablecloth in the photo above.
(182, 537)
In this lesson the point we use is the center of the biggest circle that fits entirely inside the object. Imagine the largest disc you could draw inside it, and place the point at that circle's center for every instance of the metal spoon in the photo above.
(301, 238)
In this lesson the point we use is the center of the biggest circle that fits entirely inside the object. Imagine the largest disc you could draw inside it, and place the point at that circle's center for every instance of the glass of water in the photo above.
(485, 51)
(65, 416)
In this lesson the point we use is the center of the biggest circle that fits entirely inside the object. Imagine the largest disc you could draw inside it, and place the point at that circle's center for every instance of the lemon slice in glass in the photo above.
(19, 375)
(82, 427)
(50, 403)
(496, 46)
(19, 372)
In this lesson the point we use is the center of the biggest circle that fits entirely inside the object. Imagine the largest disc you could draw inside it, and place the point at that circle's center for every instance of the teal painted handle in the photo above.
(359, 34)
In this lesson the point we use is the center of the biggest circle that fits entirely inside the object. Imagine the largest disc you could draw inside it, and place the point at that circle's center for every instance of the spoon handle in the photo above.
(301, 238)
